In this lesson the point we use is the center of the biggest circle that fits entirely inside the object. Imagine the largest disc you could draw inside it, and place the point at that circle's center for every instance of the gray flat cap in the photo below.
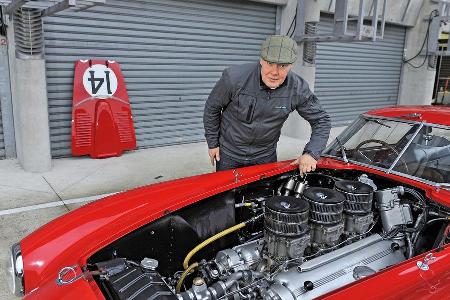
(279, 49)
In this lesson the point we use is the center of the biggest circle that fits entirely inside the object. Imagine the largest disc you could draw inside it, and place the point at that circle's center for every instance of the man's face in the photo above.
(273, 75)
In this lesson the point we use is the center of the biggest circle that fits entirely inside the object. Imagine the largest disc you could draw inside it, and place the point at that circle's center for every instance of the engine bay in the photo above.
(284, 237)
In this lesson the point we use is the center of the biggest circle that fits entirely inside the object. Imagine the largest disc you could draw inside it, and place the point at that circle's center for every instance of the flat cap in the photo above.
(279, 49)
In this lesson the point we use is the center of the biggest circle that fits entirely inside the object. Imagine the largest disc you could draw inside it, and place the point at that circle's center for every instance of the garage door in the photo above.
(354, 77)
(171, 53)
(442, 78)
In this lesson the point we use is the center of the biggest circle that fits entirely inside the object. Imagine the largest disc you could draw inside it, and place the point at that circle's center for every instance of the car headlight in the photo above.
(14, 271)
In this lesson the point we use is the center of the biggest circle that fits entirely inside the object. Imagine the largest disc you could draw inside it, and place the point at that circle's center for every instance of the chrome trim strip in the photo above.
(404, 148)
(405, 121)
(18, 274)
(355, 162)
(418, 179)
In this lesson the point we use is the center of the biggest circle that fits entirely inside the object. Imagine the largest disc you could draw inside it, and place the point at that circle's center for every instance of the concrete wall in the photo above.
(416, 84)
(32, 115)
(30, 110)
(295, 126)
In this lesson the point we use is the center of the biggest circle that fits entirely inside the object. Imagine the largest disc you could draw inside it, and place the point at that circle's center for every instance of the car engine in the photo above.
(300, 238)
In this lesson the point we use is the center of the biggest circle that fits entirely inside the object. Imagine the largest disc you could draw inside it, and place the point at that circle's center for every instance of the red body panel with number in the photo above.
(102, 124)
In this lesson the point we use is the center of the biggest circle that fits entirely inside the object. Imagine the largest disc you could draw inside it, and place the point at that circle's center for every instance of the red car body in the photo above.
(71, 239)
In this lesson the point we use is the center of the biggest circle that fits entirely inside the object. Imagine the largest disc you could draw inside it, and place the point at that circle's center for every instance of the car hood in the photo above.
(70, 239)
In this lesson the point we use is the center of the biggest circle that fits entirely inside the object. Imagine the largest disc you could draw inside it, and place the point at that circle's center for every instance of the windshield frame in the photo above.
(389, 170)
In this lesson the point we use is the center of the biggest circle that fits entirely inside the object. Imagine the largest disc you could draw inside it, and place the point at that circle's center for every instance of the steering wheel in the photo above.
(383, 143)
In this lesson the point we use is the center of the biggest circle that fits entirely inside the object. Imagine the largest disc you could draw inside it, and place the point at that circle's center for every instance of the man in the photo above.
(247, 107)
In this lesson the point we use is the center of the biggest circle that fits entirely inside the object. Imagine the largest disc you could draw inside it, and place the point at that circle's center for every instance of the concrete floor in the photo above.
(29, 200)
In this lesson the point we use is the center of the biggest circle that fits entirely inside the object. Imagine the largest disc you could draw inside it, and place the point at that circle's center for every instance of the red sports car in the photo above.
(372, 222)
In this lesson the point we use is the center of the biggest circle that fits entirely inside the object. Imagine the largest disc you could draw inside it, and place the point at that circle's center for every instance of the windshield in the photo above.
(418, 150)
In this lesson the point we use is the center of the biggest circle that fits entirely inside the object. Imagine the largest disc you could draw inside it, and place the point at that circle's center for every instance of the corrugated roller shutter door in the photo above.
(352, 78)
(444, 72)
(171, 54)
(2, 141)
(444, 68)
(443, 78)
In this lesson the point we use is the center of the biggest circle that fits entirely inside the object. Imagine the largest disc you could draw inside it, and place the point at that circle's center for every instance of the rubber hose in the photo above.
(183, 276)
(419, 197)
(423, 218)
(209, 241)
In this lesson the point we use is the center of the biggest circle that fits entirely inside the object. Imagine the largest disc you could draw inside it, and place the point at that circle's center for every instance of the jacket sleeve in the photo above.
(218, 99)
(312, 111)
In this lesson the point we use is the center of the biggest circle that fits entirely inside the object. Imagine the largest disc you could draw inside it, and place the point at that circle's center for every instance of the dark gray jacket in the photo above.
(244, 117)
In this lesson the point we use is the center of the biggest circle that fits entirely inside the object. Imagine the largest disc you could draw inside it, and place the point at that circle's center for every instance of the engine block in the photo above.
(335, 269)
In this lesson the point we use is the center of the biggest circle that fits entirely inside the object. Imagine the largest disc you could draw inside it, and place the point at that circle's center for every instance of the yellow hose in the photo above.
(183, 276)
(209, 241)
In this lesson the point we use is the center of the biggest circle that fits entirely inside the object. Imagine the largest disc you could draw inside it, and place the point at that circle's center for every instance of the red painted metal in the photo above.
(102, 125)
(79, 290)
(430, 114)
(71, 239)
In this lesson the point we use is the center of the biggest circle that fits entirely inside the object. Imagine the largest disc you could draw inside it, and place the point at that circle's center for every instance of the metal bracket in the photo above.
(14, 5)
(236, 175)
(424, 265)
(64, 272)
(48, 7)
(90, 4)
(340, 32)
(60, 6)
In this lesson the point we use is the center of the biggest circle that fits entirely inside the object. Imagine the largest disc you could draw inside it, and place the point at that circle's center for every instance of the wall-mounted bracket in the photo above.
(50, 7)
(28, 15)
(341, 33)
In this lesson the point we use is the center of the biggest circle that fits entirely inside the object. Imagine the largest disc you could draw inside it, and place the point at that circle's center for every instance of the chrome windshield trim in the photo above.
(418, 179)
(367, 116)
(391, 119)
(444, 186)
(404, 148)
(355, 162)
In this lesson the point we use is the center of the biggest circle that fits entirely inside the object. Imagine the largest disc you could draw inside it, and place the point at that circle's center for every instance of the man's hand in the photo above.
(214, 155)
(306, 163)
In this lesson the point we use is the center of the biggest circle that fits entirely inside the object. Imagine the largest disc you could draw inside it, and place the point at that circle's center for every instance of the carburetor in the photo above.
(286, 230)
(391, 211)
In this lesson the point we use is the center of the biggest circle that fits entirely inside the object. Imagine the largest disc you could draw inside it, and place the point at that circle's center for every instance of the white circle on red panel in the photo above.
(100, 81)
